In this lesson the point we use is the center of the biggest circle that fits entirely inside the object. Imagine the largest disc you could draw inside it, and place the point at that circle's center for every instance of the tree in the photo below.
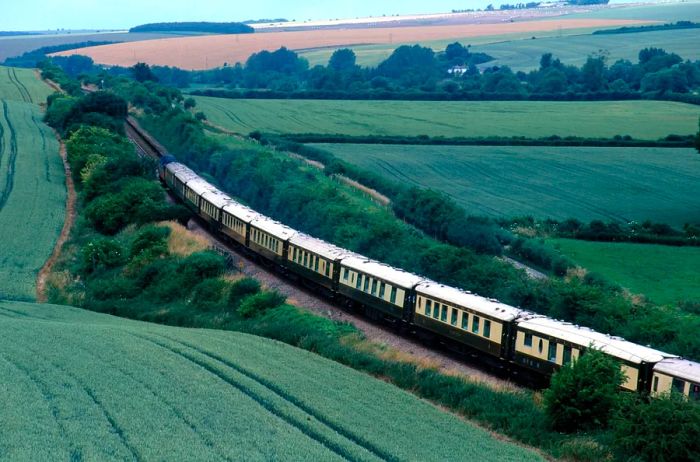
(142, 72)
(342, 60)
(583, 396)
(593, 73)
(664, 428)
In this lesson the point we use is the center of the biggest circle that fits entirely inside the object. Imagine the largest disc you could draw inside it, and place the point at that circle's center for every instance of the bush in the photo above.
(242, 289)
(663, 428)
(102, 253)
(199, 266)
(151, 241)
(209, 293)
(583, 396)
(258, 303)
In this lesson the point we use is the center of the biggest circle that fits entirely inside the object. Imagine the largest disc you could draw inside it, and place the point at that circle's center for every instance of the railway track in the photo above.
(392, 344)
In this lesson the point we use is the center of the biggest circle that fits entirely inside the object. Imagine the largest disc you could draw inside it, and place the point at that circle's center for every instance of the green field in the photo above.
(22, 85)
(101, 388)
(574, 49)
(619, 184)
(639, 119)
(665, 274)
(32, 185)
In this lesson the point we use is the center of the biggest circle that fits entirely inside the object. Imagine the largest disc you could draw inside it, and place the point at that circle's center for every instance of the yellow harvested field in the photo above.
(210, 51)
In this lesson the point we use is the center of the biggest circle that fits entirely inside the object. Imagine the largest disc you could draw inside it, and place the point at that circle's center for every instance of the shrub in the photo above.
(200, 266)
(258, 303)
(151, 241)
(209, 293)
(242, 289)
(583, 396)
(663, 428)
(102, 253)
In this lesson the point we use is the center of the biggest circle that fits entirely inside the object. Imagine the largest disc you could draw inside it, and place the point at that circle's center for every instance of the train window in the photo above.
(694, 392)
(346, 273)
(306, 259)
(487, 328)
(475, 325)
(374, 287)
(392, 299)
(443, 314)
(359, 282)
(365, 288)
(552, 352)
(678, 385)
(428, 307)
(382, 289)
(465, 320)
(436, 311)
(294, 254)
(528, 340)
(328, 269)
(453, 319)
(540, 346)
(567, 354)
(316, 264)
(656, 384)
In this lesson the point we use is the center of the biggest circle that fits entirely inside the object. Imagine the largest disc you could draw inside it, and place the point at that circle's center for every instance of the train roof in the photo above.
(201, 186)
(319, 247)
(273, 227)
(583, 336)
(462, 298)
(181, 171)
(382, 271)
(240, 211)
(216, 197)
(681, 368)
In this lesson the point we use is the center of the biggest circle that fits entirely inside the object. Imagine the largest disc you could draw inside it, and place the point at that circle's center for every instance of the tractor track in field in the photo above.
(12, 159)
(253, 395)
(359, 441)
(21, 88)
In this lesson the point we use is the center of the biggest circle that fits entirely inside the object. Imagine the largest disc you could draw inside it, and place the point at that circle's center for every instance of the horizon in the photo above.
(22, 17)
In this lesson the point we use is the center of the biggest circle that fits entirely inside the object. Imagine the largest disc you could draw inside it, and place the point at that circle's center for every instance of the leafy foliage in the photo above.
(584, 395)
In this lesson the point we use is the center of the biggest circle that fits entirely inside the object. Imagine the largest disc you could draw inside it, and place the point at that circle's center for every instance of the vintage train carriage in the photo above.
(176, 176)
(235, 218)
(679, 375)
(194, 189)
(315, 260)
(477, 322)
(268, 238)
(211, 205)
(378, 286)
(544, 345)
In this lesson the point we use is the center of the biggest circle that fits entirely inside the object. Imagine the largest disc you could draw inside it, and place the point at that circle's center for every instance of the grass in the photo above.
(620, 184)
(574, 49)
(209, 394)
(639, 119)
(664, 274)
(32, 197)
(22, 85)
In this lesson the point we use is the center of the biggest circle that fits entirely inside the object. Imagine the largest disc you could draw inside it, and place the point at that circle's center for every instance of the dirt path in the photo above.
(391, 345)
(41, 296)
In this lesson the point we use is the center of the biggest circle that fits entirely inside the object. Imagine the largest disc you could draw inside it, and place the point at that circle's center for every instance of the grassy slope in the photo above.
(640, 119)
(212, 395)
(586, 183)
(525, 54)
(32, 188)
(664, 274)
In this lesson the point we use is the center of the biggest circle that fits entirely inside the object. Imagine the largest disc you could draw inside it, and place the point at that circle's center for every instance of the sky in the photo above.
(18, 15)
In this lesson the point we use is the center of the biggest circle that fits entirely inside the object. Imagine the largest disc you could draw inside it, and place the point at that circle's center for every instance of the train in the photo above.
(511, 339)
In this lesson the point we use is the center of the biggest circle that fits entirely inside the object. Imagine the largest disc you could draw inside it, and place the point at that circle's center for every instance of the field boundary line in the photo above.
(42, 277)
(255, 396)
(10, 181)
(291, 399)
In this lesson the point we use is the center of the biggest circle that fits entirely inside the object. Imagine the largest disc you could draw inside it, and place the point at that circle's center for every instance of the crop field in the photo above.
(103, 388)
(213, 51)
(22, 85)
(666, 12)
(574, 49)
(32, 187)
(638, 267)
(620, 184)
(639, 119)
